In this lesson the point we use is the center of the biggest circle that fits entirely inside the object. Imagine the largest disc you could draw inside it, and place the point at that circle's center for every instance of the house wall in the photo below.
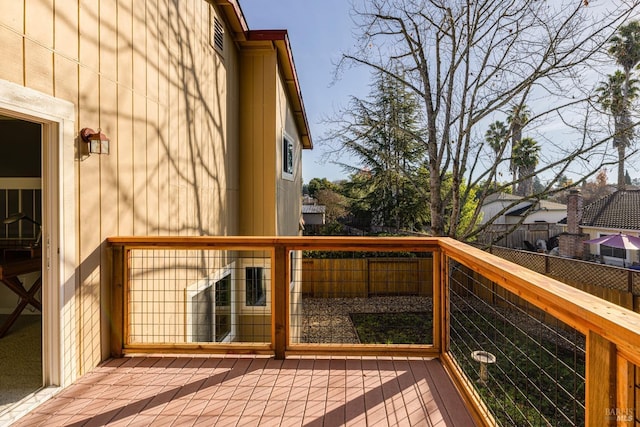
(148, 77)
(289, 191)
(271, 204)
(257, 138)
(596, 232)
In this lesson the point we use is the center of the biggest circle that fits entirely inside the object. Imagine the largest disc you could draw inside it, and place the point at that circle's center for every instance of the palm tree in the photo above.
(496, 137)
(625, 48)
(525, 159)
(518, 117)
(616, 96)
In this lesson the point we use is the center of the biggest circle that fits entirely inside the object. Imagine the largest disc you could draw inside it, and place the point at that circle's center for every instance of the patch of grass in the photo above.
(394, 328)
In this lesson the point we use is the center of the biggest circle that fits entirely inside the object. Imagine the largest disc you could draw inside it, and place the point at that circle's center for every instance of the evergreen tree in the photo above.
(382, 134)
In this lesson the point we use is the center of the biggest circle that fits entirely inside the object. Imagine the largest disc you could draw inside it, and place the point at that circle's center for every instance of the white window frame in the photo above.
(242, 287)
(199, 286)
(287, 141)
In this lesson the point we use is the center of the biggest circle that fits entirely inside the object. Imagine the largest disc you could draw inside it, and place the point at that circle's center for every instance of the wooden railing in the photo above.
(612, 333)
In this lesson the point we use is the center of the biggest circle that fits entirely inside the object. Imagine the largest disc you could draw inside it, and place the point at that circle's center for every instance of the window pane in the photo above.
(255, 293)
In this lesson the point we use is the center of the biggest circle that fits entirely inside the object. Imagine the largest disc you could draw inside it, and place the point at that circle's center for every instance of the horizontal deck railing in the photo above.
(563, 357)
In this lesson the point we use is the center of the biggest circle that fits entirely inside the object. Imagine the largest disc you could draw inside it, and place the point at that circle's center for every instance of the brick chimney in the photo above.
(570, 242)
(574, 211)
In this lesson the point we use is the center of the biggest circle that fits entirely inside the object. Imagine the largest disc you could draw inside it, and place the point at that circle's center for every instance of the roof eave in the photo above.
(280, 39)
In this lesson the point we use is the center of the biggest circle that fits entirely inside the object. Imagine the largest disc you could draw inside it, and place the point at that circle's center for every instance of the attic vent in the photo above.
(218, 34)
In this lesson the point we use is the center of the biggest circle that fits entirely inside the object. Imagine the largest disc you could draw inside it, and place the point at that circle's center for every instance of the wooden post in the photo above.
(600, 381)
(117, 300)
(625, 393)
(438, 320)
(280, 292)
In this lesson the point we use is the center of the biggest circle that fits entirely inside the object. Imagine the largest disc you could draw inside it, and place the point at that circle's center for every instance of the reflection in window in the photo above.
(287, 156)
(223, 308)
(255, 292)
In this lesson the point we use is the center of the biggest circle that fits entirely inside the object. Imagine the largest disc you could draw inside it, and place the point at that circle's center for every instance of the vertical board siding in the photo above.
(146, 75)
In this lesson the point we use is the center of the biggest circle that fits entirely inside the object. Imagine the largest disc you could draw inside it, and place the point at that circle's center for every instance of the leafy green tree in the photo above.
(317, 184)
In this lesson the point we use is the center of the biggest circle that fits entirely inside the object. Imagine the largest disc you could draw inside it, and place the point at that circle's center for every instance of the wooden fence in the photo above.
(515, 239)
(349, 278)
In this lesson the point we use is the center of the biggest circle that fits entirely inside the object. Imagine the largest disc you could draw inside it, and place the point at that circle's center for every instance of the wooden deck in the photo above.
(252, 391)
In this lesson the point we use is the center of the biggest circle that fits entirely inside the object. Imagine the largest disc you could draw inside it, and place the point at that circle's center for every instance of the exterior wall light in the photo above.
(98, 141)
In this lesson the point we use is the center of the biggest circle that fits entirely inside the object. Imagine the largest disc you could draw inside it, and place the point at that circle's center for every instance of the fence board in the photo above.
(334, 278)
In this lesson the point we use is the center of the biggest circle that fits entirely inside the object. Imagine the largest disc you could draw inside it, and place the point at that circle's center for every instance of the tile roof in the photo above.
(313, 209)
(617, 210)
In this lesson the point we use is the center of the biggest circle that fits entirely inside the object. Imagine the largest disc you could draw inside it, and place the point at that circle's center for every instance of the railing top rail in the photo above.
(574, 307)
(293, 242)
(577, 308)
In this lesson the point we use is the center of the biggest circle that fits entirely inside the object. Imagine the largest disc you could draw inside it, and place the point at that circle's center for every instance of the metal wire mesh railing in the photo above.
(361, 298)
(527, 367)
(181, 296)
(208, 297)
(497, 327)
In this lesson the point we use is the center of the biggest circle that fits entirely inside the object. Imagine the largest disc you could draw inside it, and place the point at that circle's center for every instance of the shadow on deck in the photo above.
(251, 391)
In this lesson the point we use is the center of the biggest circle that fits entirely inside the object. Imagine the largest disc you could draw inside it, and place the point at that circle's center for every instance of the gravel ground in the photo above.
(326, 320)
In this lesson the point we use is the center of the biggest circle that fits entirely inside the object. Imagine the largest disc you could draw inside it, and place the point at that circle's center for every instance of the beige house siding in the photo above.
(257, 139)
(270, 203)
(195, 146)
(146, 75)
(289, 192)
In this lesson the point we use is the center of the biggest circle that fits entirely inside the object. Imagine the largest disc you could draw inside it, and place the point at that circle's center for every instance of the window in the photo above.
(223, 308)
(287, 157)
(209, 310)
(256, 295)
(612, 252)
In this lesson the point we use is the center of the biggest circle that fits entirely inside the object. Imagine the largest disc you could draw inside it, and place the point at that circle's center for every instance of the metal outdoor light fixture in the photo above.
(98, 141)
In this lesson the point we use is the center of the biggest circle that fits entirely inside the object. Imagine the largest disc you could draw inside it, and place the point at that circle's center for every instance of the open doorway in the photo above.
(21, 338)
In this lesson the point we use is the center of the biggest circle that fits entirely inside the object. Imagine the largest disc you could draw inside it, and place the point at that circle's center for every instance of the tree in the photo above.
(317, 184)
(335, 204)
(616, 96)
(469, 60)
(624, 46)
(518, 117)
(525, 160)
(497, 137)
(382, 133)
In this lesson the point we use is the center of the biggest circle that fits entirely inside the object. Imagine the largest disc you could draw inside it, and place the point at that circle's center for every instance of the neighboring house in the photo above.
(507, 209)
(204, 123)
(513, 222)
(618, 212)
(313, 215)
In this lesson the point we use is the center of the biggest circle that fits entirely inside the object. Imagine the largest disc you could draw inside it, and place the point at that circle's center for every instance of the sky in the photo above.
(319, 32)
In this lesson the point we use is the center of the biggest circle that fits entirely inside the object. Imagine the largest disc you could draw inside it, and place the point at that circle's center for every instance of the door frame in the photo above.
(57, 118)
